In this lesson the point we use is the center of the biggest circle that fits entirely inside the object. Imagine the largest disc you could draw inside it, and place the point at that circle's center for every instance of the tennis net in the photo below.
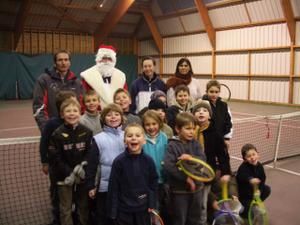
(24, 195)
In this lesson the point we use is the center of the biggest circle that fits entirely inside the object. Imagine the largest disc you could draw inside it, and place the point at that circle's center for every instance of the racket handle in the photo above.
(224, 190)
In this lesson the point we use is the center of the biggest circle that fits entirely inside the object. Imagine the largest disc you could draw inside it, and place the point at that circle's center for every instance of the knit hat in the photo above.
(202, 104)
(157, 104)
(158, 93)
(108, 51)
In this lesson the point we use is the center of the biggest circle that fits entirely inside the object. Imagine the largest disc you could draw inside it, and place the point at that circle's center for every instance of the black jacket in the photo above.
(246, 172)
(221, 117)
(215, 149)
(68, 147)
(133, 184)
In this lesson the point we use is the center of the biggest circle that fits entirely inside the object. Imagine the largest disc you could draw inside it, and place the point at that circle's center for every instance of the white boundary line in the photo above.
(17, 128)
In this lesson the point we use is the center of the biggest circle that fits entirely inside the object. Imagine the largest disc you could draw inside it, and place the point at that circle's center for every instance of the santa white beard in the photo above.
(105, 68)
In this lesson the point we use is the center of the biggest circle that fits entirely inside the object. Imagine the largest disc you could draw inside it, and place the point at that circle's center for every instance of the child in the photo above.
(182, 104)
(133, 182)
(220, 111)
(156, 141)
(68, 148)
(106, 146)
(160, 107)
(251, 172)
(122, 98)
(158, 94)
(91, 116)
(51, 125)
(186, 193)
(215, 151)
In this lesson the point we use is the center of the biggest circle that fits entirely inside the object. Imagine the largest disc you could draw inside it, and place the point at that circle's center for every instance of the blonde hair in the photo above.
(90, 93)
(133, 125)
(109, 108)
(153, 115)
(68, 102)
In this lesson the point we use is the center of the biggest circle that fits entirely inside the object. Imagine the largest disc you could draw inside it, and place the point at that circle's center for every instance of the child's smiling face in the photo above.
(251, 157)
(134, 139)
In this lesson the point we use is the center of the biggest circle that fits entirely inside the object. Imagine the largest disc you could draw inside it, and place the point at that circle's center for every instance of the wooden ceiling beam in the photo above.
(153, 28)
(110, 20)
(290, 19)
(203, 12)
(20, 20)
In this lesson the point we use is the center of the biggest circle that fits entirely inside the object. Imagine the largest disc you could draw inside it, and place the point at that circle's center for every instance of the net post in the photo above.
(277, 142)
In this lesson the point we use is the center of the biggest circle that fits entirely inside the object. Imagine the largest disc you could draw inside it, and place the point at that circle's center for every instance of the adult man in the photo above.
(143, 87)
(49, 84)
(103, 77)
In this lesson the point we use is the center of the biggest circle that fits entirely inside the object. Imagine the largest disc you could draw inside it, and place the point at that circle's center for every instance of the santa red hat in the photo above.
(106, 51)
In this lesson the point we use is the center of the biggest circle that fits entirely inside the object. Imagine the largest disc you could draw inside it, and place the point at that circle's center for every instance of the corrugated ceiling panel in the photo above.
(9, 6)
(91, 3)
(36, 21)
(232, 64)
(253, 37)
(297, 33)
(271, 63)
(270, 90)
(131, 18)
(68, 25)
(170, 26)
(169, 65)
(237, 86)
(83, 15)
(297, 63)
(143, 31)
(228, 16)
(192, 22)
(43, 9)
(186, 44)
(265, 10)
(148, 48)
(296, 7)
(296, 92)
(201, 64)
(123, 28)
(155, 9)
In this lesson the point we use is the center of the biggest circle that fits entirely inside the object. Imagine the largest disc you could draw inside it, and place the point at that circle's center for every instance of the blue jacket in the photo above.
(132, 185)
(106, 146)
(156, 150)
(142, 85)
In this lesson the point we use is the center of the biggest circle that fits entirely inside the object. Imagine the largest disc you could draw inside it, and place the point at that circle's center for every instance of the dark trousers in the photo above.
(101, 211)
(137, 218)
(246, 202)
(54, 198)
(186, 208)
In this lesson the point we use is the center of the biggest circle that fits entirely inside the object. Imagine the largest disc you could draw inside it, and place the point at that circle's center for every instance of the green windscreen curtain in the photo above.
(18, 72)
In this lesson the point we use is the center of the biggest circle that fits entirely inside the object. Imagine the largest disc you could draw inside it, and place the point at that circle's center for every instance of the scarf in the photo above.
(200, 136)
(179, 79)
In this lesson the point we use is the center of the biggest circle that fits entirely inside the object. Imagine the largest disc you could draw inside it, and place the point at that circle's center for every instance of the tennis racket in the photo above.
(196, 169)
(225, 93)
(257, 214)
(229, 209)
(155, 218)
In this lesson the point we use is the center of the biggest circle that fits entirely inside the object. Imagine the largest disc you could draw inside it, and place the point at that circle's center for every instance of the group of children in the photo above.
(127, 163)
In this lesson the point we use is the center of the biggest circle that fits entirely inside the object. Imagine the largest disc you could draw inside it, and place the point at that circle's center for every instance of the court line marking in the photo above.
(17, 128)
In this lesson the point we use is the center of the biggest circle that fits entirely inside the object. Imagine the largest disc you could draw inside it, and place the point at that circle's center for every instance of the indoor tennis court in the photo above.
(20, 164)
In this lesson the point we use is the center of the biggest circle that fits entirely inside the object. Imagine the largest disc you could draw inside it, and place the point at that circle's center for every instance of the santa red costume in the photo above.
(104, 78)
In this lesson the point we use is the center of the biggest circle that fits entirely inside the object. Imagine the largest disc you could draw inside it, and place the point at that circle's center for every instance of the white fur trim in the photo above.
(94, 79)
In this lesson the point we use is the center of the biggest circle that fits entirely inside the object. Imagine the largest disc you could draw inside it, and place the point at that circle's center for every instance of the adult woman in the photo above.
(183, 75)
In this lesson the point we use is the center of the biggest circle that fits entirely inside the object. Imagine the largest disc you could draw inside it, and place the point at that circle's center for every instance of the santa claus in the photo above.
(104, 78)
